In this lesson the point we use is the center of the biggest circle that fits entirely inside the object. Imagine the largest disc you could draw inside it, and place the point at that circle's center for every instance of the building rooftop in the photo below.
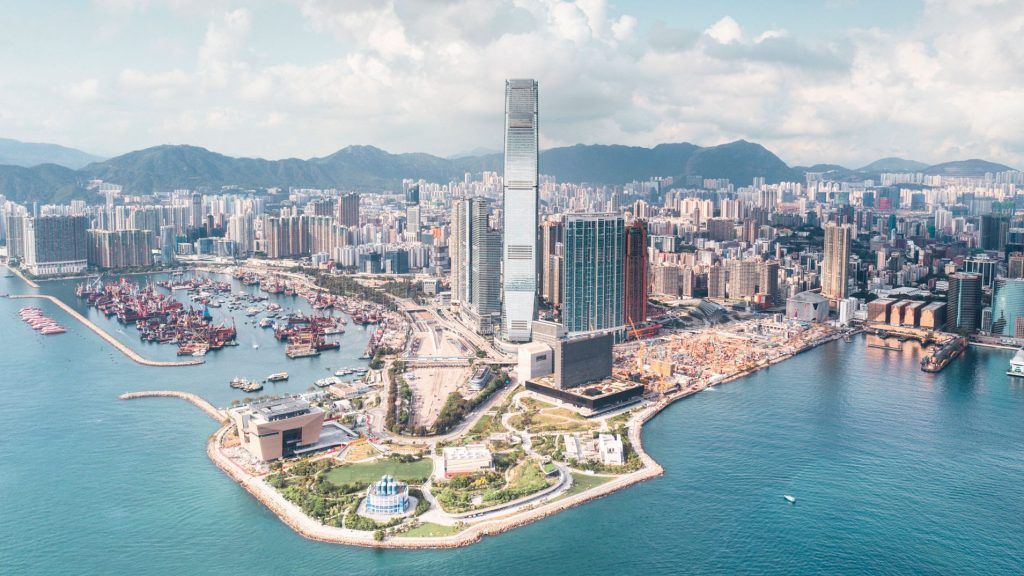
(809, 297)
(280, 409)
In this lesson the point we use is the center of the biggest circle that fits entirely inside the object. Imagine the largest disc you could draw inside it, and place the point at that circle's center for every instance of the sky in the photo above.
(836, 81)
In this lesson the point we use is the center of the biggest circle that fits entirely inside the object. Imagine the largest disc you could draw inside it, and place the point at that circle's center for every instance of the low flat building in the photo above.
(278, 428)
(593, 397)
(465, 460)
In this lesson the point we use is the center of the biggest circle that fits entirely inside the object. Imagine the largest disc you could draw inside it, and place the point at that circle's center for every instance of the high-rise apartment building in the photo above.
(475, 249)
(519, 284)
(594, 278)
(635, 270)
(348, 209)
(551, 237)
(56, 245)
(121, 248)
(835, 264)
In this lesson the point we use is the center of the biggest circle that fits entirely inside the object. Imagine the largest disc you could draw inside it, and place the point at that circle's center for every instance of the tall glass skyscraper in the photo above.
(593, 280)
(519, 256)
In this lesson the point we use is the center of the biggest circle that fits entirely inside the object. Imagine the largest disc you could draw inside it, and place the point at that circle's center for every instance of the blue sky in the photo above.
(845, 81)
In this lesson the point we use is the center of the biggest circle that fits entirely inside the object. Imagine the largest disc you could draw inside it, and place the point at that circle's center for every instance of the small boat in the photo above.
(790, 499)
(255, 345)
(277, 377)
(1017, 365)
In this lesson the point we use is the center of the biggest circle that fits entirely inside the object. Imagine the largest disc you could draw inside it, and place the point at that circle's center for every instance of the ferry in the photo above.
(277, 377)
(1017, 365)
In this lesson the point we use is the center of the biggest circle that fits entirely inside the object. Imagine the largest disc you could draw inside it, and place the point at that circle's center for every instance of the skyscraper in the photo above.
(412, 211)
(1008, 307)
(635, 269)
(519, 256)
(593, 281)
(963, 303)
(835, 264)
(475, 250)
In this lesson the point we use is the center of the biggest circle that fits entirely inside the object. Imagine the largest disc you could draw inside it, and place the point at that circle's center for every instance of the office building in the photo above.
(995, 229)
(635, 269)
(963, 303)
(519, 288)
(836, 261)
(592, 290)
(1008, 307)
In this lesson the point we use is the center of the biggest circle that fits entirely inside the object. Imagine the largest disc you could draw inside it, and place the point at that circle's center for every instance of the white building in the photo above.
(536, 359)
(611, 449)
(464, 460)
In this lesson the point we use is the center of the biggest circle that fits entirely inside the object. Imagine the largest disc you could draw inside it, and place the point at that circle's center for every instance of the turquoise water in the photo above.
(896, 472)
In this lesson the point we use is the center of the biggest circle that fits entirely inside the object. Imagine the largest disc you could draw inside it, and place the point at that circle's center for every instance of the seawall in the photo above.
(198, 401)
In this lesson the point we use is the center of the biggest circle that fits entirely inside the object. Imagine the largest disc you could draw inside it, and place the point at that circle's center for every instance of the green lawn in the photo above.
(427, 530)
(372, 471)
(582, 483)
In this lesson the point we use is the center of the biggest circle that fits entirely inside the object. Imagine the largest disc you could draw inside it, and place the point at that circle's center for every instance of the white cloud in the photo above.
(725, 31)
(88, 89)
(410, 75)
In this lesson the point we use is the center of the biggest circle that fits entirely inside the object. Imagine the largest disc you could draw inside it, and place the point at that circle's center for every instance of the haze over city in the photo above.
(830, 81)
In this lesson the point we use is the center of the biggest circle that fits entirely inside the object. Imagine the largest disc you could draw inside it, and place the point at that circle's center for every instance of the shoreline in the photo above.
(17, 272)
(311, 529)
(121, 346)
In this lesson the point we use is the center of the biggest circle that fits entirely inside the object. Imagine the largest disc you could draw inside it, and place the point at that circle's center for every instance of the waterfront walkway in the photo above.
(199, 402)
(106, 336)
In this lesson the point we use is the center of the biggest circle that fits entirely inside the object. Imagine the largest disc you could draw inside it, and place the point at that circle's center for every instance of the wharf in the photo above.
(133, 355)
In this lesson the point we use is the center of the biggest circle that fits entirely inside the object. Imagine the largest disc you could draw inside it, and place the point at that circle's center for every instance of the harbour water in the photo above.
(895, 471)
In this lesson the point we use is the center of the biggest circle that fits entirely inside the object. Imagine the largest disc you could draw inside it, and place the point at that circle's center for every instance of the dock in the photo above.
(133, 355)
(198, 401)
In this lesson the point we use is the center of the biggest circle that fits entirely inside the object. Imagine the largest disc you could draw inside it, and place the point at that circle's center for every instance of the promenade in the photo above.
(133, 355)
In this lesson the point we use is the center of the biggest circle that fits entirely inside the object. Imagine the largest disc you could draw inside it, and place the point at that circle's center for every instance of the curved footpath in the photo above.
(309, 528)
(106, 336)
(198, 401)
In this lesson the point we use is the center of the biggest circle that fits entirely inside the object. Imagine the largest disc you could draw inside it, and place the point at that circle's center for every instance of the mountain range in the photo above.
(28, 154)
(370, 169)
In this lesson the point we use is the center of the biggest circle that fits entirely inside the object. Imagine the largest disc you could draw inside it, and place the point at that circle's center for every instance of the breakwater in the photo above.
(19, 274)
(133, 355)
(198, 401)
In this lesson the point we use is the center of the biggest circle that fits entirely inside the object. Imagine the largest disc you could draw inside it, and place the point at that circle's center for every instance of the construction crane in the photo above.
(642, 352)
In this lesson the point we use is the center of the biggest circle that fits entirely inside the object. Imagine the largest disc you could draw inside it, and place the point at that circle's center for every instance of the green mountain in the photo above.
(893, 164)
(973, 168)
(28, 154)
(369, 169)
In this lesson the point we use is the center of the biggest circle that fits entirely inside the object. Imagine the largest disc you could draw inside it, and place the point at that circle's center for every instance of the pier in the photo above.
(106, 336)
(199, 402)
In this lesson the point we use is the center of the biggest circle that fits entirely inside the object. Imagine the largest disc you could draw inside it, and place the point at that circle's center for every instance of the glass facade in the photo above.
(519, 255)
(1008, 307)
(593, 281)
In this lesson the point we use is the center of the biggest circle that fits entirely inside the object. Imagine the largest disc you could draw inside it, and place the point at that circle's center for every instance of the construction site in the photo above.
(694, 359)
(438, 362)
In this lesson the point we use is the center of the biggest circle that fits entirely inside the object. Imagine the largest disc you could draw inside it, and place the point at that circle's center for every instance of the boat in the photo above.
(1017, 365)
(328, 381)
(790, 499)
(277, 377)
(343, 372)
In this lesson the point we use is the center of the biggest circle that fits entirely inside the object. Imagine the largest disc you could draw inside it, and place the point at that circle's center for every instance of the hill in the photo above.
(28, 154)
(893, 164)
(973, 168)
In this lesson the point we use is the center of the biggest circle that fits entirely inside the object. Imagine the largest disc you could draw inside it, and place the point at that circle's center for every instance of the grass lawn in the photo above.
(582, 483)
(427, 530)
(527, 474)
(483, 425)
(372, 471)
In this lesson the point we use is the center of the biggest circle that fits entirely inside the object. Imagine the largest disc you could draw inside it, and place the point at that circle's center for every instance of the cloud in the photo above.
(88, 89)
(411, 75)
